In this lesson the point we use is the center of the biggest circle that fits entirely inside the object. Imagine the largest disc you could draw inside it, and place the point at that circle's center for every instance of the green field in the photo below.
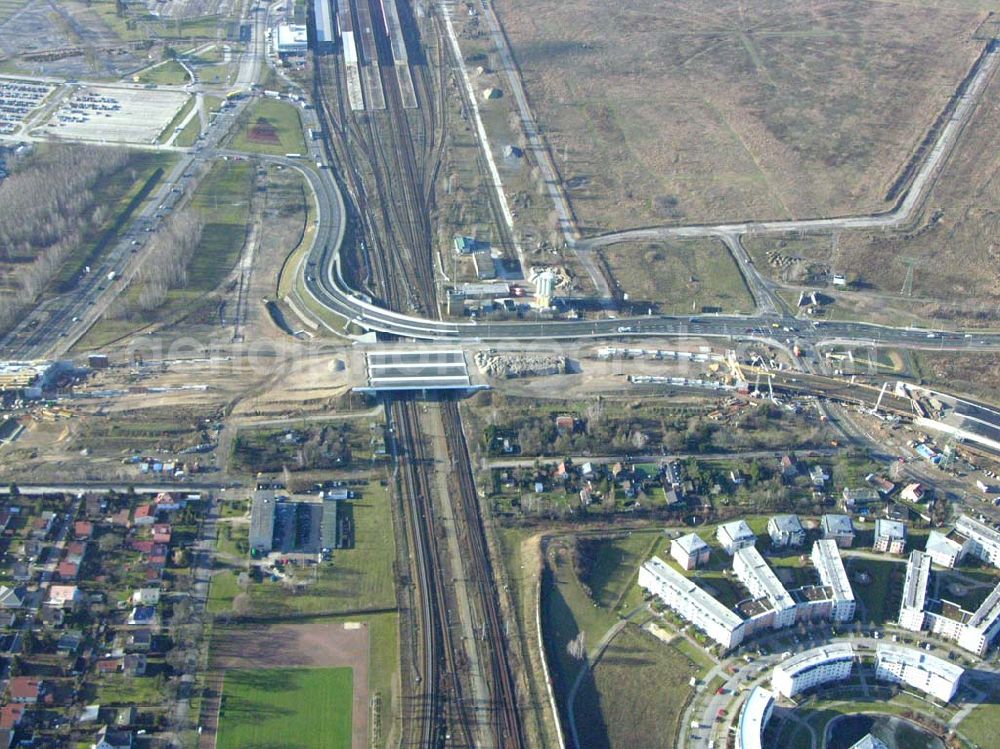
(170, 73)
(271, 127)
(292, 708)
(223, 199)
(637, 694)
(679, 277)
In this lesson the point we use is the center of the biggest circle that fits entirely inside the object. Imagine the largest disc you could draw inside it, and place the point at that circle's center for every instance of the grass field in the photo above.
(292, 708)
(640, 691)
(271, 127)
(615, 563)
(679, 277)
(170, 73)
(696, 110)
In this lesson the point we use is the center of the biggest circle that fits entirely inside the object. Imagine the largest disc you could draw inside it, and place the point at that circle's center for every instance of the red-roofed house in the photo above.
(68, 570)
(25, 690)
(10, 716)
(144, 515)
(161, 533)
(143, 547)
(110, 665)
(121, 519)
(83, 529)
(167, 501)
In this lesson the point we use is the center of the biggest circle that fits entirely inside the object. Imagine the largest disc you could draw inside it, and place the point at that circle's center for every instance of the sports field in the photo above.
(292, 708)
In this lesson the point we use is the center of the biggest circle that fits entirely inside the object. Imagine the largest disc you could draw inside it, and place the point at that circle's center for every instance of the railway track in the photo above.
(390, 161)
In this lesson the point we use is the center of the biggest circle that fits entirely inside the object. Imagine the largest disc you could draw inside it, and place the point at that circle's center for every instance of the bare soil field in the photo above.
(316, 644)
(953, 245)
(698, 110)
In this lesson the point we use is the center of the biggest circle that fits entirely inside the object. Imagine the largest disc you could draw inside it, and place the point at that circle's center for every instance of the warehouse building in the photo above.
(323, 14)
(826, 558)
(262, 521)
(930, 674)
(812, 668)
(754, 715)
(291, 39)
(689, 551)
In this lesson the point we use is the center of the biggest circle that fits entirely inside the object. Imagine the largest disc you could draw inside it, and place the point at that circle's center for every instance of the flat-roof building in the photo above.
(920, 670)
(984, 540)
(786, 530)
(911, 608)
(754, 715)
(690, 551)
(890, 536)
(694, 604)
(262, 521)
(760, 580)
(735, 535)
(838, 528)
(323, 13)
(291, 39)
(812, 668)
(982, 627)
(826, 558)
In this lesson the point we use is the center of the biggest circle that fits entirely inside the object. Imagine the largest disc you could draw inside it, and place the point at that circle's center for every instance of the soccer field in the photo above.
(292, 708)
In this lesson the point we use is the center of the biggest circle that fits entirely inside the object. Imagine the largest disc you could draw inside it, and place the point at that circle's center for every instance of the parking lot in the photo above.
(119, 115)
(17, 100)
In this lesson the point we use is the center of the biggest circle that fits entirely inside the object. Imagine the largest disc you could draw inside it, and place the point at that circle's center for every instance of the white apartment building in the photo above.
(786, 530)
(890, 536)
(982, 627)
(734, 536)
(813, 667)
(944, 551)
(984, 540)
(915, 668)
(754, 715)
(689, 551)
(691, 602)
(826, 558)
(911, 608)
(757, 577)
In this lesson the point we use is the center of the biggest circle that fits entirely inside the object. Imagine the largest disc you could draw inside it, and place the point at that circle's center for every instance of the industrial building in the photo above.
(890, 536)
(911, 608)
(930, 674)
(984, 541)
(30, 379)
(812, 668)
(262, 521)
(290, 39)
(754, 715)
(839, 528)
(786, 530)
(689, 551)
(734, 536)
(323, 13)
(826, 558)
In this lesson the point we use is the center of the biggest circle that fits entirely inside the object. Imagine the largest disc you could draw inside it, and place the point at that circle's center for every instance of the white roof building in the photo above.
(689, 551)
(812, 668)
(911, 608)
(826, 558)
(754, 715)
(982, 627)
(984, 540)
(839, 528)
(944, 551)
(786, 530)
(890, 535)
(761, 581)
(291, 39)
(735, 535)
(694, 604)
(928, 673)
